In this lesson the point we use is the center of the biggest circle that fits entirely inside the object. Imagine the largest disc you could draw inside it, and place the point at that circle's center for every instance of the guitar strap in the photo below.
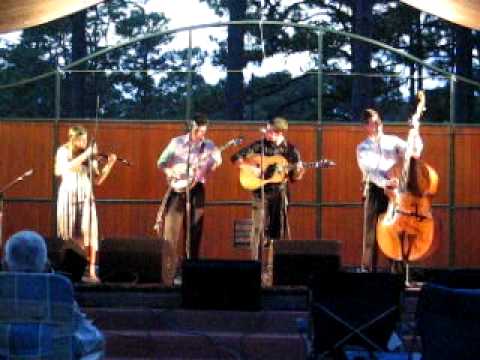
(161, 212)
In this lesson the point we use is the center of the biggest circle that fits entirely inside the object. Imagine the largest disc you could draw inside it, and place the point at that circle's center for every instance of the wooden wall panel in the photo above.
(26, 145)
(303, 223)
(467, 240)
(30, 145)
(345, 225)
(218, 235)
(467, 171)
(343, 182)
(126, 220)
(36, 216)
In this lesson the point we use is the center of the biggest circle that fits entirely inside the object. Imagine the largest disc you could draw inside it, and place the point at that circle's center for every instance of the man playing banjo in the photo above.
(186, 161)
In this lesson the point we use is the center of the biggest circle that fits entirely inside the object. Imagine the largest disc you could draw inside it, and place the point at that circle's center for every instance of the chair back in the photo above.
(36, 316)
(354, 310)
(448, 322)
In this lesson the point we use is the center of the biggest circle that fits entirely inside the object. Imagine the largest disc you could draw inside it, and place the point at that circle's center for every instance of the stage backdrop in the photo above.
(326, 204)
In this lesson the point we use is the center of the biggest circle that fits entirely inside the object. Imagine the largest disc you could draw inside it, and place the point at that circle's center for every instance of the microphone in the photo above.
(25, 174)
(124, 161)
(328, 163)
(263, 130)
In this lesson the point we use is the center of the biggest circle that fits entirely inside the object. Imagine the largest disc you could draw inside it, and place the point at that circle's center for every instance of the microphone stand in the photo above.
(261, 236)
(90, 254)
(284, 223)
(188, 205)
(2, 199)
(366, 200)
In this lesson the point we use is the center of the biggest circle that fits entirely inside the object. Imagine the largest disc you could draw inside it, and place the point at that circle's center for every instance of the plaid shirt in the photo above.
(39, 318)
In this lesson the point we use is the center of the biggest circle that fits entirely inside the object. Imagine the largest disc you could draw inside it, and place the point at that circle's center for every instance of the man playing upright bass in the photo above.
(377, 155)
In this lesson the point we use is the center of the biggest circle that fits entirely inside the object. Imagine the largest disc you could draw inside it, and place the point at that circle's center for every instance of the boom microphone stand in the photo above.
(2, 199)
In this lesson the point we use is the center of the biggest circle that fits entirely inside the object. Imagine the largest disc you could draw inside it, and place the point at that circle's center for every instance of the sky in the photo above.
(200, 13)
(183, 13)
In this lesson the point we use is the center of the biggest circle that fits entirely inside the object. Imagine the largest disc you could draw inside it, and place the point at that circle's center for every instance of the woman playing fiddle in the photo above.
(76, 211)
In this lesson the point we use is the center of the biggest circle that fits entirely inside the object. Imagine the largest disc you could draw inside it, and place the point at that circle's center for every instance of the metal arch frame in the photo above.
(319, 29)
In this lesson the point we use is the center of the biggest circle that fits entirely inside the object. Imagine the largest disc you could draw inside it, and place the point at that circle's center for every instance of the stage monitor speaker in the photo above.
(67, 258)
(354, 309)
(296, 261)
(132, 260)
(221, 285)
(54, 249)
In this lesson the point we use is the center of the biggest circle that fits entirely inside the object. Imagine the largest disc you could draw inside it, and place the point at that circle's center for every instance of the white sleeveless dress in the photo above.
(76, 211)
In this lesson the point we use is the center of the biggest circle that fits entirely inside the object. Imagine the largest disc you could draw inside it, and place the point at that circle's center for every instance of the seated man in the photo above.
(26, 252)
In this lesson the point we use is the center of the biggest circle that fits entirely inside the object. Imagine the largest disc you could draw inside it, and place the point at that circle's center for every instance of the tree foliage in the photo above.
(147, 80)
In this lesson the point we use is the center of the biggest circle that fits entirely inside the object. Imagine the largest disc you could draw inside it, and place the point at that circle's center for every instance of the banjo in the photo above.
(177, 176)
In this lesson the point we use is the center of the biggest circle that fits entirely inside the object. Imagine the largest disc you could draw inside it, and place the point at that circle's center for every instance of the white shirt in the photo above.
(376, 158)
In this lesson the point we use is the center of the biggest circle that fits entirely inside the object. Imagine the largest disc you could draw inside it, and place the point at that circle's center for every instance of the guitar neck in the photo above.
(311, 164)
(232, 142)
(224, 146)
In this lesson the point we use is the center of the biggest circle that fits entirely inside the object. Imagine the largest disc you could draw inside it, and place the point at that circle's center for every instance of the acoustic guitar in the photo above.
(275, 170)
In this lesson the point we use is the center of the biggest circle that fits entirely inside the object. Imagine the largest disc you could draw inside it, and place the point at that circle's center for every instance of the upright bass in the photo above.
(405, 231)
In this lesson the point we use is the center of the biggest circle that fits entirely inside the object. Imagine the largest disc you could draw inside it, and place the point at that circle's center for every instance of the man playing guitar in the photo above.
(272, 224)
(186, 162)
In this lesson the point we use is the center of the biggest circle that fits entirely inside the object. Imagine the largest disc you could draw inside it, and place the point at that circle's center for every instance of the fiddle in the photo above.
(104, 156)
(119, 159)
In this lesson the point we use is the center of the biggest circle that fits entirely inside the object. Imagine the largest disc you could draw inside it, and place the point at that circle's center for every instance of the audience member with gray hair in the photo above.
(26, 251)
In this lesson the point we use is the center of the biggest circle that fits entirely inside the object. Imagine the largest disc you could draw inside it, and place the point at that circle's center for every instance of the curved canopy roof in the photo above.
(20, 14)
(462, 12)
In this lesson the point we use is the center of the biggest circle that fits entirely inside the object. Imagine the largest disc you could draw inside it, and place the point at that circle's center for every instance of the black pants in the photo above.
(175, 225)
(275, 225)
(377, 203)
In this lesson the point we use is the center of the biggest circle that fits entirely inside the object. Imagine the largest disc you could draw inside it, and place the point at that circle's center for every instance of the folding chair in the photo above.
(354, 309)
(36, 316)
